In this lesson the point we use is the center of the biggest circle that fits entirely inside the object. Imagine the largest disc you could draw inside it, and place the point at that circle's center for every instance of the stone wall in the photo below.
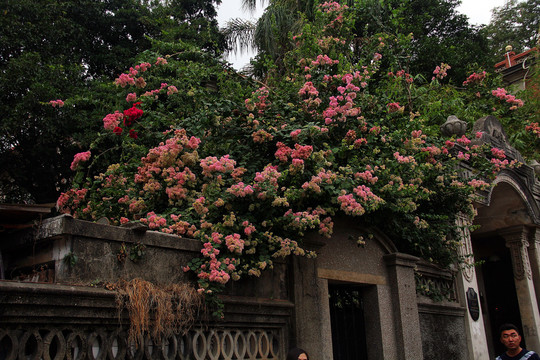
(56, 309)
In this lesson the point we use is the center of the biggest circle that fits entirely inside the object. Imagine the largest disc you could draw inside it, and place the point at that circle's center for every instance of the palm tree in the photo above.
(270, 35)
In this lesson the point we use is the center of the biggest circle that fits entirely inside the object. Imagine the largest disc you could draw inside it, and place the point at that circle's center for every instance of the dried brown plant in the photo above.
(158, 310)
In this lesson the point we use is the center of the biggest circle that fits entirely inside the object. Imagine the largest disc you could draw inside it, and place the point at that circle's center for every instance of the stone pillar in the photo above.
(476, 333)
(516, 240)
(324, 313)
(307, 305)
(405, 305)
(534, 257)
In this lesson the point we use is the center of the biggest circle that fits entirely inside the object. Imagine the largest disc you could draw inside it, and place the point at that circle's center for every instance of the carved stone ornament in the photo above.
(466, 250)
(454, 126)
(536, 166)
(491, 126)
(520, 258)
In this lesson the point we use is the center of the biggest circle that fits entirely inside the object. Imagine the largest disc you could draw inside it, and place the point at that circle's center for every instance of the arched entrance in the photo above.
(505, 246)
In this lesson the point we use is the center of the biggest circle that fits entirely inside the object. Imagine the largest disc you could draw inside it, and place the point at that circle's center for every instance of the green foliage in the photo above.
(516, 23)
(53, 48)
(70, 259)
(250, 168)
(439, 34)
(137, 252)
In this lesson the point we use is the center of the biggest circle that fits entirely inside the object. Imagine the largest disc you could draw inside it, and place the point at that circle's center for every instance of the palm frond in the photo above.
(239, 35)
(273, 28)
(251, 5)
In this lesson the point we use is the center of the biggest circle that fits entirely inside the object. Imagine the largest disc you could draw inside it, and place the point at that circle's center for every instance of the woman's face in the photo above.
(302, 356)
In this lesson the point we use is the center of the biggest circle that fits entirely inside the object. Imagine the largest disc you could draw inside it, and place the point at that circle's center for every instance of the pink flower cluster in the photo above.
(404, 159)
(395, 107)
(324, 176)
(240, 189)
(502, 164)
(266, 182)
(308, 90)
(343, 105)
(154, 93)
(154, 221)
(303, 220)
(534, 128)
(248, 228)
(171, 90)
(79, 158)
(234, 243)
(129, 78)
(301, 151)
(161, 61)
(367, 176)
(283, 152)
(331, 6)
(131, 97)
(260, 104)
(56, 103)
(261, 136)
(73, 196)
(324, 60)
(511, 99)
(498, 153)
(475, 79)
(440, 72)
(401, 74)
(465, 141)
(351, 206)
(111, 121)
(295, 133)
(211, 165)
(478, 184)
(199, 206)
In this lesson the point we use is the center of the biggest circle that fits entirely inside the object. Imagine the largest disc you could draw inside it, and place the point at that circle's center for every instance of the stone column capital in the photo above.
(515, 234)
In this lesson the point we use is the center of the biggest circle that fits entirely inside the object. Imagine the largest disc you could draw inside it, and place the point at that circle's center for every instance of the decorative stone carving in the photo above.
(517, 243)
(454, 126)
(492, 130)
(536, 166)
(465, 249)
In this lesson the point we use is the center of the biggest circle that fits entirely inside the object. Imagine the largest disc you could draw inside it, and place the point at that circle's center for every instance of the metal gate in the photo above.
(347, 320)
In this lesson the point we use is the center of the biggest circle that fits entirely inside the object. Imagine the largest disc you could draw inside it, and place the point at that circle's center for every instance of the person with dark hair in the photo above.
(511, 339)
(297, 354)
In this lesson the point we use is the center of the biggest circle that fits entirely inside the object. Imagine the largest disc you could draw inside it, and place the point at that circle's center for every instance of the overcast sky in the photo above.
(478, 11)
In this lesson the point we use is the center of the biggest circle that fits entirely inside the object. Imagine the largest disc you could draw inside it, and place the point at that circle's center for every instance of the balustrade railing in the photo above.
(52, 343)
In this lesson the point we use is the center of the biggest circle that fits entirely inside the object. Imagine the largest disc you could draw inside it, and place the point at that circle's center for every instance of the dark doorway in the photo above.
(347, 320)
(500, 301)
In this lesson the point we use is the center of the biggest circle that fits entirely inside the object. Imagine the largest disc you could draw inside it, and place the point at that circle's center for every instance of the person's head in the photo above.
(297, 354)
(510, 337)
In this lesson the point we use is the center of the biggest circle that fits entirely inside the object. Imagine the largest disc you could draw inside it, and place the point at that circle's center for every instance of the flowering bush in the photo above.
(249, 174)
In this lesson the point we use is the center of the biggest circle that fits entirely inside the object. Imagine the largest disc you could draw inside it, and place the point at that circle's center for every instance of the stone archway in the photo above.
(502, 244)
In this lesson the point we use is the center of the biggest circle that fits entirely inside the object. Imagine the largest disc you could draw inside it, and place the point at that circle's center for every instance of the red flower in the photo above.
(118, 130)
(132, 114)
(133, 134)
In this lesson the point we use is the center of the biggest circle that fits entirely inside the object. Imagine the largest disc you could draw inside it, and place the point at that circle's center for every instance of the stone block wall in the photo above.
(53, 309)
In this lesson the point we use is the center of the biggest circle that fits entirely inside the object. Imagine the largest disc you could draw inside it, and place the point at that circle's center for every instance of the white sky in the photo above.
(478, 11)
